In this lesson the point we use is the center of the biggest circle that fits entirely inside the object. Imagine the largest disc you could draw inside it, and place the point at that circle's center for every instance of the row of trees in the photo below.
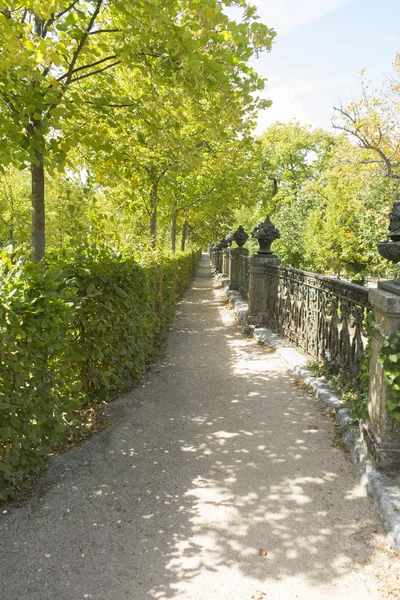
(123, 116)
(132, 124)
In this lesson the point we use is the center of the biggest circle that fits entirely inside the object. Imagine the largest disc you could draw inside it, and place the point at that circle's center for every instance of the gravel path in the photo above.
(217, 479)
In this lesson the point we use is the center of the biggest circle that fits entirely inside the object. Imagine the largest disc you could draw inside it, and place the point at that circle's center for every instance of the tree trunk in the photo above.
(153, 214)
(275, 184)
(174, 216)
(38, 213)
(184, 234)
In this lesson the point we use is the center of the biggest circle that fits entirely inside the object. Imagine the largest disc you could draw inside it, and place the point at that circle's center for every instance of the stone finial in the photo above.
(266, 233)
(229, 238)
(240, 236)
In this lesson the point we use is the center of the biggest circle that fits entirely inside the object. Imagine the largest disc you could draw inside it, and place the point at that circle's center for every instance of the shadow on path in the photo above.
(216, 456)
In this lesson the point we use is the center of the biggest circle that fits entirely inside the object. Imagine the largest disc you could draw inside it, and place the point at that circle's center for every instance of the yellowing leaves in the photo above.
(226, 36)
(29, 45)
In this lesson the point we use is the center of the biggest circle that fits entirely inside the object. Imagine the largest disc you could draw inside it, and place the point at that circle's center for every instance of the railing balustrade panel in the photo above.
(321, 315)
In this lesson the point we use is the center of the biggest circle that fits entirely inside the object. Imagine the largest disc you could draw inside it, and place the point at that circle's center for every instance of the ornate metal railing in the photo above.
(244, 274)
(323, 316)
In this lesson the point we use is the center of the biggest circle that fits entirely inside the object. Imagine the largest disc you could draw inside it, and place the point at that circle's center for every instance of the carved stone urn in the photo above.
(240, 236)
(223, 244)
(391, 249)
(266, 233)
(229, 239)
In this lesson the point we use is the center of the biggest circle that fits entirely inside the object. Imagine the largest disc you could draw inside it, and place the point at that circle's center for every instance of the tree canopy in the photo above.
(79, 77)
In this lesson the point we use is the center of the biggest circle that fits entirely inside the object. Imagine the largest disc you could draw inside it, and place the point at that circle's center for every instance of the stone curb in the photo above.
(383, 490)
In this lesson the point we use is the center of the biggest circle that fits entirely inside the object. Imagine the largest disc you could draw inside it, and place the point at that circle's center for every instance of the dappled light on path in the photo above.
(219, 479)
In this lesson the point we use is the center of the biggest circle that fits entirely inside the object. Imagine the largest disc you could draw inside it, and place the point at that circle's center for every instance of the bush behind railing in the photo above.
(75, 334)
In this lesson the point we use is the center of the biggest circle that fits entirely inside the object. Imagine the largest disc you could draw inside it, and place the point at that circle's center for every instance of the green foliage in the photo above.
(291, 218)
(354, 394)
(75, 334)
(15, 209)
(329, 200)
(39, 389)
(389, 357)
(293, 155)
(133, 87)
(126, 303)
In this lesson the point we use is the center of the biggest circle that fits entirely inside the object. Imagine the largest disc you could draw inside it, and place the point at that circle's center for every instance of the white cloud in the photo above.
(312, 84)
(309, 101)
(286, 106)
(284, 15)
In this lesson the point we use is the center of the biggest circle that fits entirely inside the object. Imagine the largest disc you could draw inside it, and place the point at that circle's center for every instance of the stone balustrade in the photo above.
(325, 318)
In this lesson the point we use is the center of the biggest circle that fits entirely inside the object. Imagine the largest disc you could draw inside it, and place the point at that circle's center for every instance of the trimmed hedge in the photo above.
(76, 334)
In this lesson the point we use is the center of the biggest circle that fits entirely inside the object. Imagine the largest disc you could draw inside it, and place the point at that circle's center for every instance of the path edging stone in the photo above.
(383, 489)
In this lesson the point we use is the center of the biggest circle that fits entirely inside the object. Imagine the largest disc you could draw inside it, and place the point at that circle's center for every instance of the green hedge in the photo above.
(76, 334)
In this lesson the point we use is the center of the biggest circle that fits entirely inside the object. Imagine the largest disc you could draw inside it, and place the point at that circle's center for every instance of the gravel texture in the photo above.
(218, 479)
(383, 489)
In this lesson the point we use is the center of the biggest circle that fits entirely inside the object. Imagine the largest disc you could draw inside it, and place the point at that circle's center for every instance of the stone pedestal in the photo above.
(213, 257)
(217, 261)
(234, 265)
(380, 433)
(261, 288)
(225, 262)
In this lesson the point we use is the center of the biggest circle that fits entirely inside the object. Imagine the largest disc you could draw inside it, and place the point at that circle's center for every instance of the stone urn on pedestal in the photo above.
(240, 237)
(262, 288)
(266, 233)
(235, 257)
(227, 243)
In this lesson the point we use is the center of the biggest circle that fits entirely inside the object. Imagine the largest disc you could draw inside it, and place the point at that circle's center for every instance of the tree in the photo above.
(60, 59)
(372, 122)
(293, 154)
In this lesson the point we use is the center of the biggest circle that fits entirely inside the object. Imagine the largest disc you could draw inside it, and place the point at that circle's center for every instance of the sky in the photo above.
(319, 52)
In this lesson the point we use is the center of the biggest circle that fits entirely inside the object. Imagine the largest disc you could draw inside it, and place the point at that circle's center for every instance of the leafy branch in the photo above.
(389, 358)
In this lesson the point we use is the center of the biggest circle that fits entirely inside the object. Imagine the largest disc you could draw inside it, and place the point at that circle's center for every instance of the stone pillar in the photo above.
(261, 288)
(218, 266)
(380, 433)
(214, 260)
(225, 262)
(212, 257)
(234, 265)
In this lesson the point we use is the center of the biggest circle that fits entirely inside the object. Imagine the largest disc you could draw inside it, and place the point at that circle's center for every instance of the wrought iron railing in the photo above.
(244, 275)
(323, 316)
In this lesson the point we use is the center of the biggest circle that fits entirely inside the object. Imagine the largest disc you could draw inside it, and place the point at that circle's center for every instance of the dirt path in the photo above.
(218, 480)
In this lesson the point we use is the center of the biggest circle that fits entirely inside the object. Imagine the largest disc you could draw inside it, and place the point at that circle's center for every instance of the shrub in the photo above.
(38, 388)
(75, 334)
